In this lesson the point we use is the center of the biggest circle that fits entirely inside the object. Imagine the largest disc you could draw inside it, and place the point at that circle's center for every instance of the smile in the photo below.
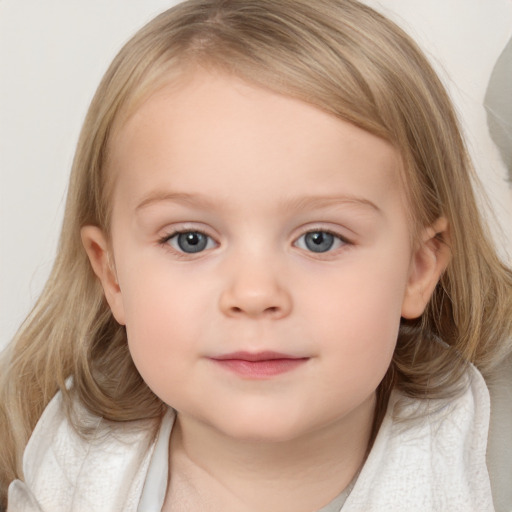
(258, 365)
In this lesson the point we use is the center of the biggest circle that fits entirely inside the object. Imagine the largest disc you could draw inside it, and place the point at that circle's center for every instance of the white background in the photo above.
(52, 56)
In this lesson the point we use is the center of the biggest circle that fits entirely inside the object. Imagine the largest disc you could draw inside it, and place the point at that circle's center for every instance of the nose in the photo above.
(255, 289)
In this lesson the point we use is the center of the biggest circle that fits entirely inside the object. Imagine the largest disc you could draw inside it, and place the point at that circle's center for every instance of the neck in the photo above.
(304, 473)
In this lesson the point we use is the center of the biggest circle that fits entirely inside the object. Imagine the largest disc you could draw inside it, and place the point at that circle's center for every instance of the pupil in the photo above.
(192, 242)
(192, 238)
(319, 241)
(318, 238)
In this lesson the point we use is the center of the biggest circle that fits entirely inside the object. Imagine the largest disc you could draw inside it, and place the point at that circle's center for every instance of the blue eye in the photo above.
(190, 242)
(319, 241)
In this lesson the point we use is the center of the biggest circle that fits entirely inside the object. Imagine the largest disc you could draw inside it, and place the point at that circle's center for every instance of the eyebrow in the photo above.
(295, 204)
(317, 202)
(177, 197)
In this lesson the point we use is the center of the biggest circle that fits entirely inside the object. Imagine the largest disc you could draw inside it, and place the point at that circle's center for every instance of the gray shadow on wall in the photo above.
(498, 104)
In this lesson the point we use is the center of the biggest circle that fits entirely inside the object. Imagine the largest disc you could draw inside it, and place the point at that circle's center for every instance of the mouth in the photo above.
(258, 365)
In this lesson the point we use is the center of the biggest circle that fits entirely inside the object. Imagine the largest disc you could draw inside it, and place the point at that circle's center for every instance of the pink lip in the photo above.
(259, 365)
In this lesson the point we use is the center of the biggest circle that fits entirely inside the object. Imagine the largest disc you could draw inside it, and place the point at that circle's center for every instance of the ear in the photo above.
(428, 262)
(96, 247)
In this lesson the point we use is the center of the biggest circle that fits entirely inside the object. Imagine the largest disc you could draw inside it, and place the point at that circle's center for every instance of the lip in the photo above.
(258, 365)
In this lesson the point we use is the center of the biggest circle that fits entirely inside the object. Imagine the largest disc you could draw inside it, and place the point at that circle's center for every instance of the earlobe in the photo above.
(428, 262)
(96, 247)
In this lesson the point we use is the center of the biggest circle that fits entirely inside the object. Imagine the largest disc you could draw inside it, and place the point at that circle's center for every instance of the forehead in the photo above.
(210, 131)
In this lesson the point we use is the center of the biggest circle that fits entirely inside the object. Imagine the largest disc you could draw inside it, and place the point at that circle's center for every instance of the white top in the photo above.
(434, 463)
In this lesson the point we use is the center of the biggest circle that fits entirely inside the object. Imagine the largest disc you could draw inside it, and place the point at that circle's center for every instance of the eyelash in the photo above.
(344, 241)
(164, 241)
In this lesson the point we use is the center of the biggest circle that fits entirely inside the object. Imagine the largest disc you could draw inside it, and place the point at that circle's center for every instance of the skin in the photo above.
(255, 172)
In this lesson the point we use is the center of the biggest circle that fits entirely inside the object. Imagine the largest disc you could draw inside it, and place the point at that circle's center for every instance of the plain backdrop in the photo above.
(54, 52)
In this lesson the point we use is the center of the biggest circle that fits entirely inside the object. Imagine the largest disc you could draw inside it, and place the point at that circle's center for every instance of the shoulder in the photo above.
(430, 455)
(64, 471)
(499, 451)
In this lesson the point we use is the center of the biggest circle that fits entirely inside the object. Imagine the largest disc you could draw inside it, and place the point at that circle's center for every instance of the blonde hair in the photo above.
(337, 55)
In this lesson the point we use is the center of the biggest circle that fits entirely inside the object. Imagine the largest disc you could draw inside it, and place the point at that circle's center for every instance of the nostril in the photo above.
(272, 310)
(255, 303)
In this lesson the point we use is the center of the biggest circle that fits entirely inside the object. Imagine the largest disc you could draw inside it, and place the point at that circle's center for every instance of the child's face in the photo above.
(294, 244)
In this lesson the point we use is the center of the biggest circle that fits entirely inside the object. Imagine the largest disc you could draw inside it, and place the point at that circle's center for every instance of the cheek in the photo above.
(356, 316)
(161, 324)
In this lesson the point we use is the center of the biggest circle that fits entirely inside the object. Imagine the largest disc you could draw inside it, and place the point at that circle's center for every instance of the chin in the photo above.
(263, 431)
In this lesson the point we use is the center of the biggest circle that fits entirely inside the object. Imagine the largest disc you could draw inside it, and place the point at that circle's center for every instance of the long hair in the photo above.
(337, 55)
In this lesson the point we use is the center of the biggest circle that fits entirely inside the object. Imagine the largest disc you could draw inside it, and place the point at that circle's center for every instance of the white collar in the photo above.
(433, 462)
(155, 486)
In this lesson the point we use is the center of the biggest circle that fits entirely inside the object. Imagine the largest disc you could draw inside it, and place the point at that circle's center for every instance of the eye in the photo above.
(320, 241)
(189, 242)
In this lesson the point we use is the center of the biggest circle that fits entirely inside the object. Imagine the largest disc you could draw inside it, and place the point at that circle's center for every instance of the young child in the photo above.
(273, 287)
